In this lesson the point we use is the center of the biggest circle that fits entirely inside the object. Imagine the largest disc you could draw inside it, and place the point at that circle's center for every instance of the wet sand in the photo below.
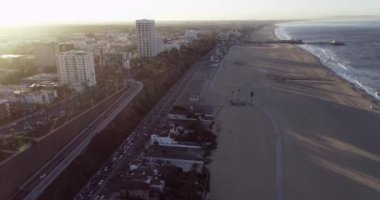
(300, 139)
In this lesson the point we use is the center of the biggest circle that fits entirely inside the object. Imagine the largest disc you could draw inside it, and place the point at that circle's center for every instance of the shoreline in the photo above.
(299, 139)
(354, 86)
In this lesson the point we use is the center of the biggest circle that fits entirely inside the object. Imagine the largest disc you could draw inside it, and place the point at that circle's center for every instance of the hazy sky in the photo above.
(16, 12)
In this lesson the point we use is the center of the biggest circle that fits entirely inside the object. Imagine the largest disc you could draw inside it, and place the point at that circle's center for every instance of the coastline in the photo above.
(299, 139)
(354, 86)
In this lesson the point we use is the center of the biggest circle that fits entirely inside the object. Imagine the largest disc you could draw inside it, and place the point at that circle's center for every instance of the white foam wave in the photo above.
(344, 67)
(348, 73)
(330, 60)
(281, 34)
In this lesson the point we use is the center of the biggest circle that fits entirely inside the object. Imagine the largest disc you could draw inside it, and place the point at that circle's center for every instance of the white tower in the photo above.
(76, 69)
(146, 38)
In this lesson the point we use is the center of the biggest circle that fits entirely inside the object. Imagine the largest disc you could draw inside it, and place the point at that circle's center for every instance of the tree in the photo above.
(252, 95)
(2, 142)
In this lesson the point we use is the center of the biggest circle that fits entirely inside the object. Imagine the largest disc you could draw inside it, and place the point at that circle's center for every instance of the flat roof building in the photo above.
(148, 43)
(76, 69)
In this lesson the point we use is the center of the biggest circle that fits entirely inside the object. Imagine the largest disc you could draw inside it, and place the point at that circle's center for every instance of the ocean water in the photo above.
(358, 61)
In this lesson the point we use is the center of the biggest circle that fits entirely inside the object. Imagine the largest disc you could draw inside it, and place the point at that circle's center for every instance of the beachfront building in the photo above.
(76, 69)
(149, 44)
(187, 159)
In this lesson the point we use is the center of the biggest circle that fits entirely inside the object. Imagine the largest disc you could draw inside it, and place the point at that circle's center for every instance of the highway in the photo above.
(35, 185)
(133, 146)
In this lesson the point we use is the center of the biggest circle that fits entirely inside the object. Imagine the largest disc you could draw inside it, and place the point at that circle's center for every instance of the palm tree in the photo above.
(252, 95)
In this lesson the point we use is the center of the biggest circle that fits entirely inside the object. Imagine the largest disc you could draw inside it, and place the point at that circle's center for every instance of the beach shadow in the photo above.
(341, 157)
(317, 91)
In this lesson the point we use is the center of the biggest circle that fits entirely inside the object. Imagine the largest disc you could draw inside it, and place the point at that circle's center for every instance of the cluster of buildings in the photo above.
(154, 180)
(174, 160)
(75, 68)
(150, 43)
(77, 56)
(37, 89)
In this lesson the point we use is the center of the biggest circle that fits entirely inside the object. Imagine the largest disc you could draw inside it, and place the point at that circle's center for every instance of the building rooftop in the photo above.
(75, 52)
(175, 153)
(41, 77)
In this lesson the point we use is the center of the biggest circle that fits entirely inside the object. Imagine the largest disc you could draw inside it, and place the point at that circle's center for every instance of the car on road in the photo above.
(237, 102)
(194, 98)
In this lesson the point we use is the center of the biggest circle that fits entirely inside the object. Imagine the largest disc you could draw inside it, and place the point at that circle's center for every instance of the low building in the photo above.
(185, 158)
(38, 78)
(115, 59)
(142, 181)
(43, 96)
(181, 115)
(168, 135)
(162, 140)
(202, 113)
(191, 35)
(172, 45)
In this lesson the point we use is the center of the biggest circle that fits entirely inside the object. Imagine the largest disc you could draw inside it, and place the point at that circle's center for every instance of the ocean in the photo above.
(358, 61)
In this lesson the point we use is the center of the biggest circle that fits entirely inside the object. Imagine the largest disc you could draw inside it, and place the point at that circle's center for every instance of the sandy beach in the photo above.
(308, 134)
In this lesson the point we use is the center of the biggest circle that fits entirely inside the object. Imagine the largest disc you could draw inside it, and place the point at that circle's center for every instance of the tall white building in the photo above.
(76, 69)
(148, 43)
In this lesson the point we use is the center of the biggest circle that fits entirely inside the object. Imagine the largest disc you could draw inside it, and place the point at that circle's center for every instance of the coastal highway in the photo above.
(36, 184)
(133, 146)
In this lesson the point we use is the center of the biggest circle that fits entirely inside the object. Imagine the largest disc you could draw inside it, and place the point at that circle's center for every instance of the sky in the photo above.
(31, 12)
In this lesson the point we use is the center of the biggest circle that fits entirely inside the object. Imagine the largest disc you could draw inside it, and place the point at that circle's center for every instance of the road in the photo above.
(35, 185)
(133, 146)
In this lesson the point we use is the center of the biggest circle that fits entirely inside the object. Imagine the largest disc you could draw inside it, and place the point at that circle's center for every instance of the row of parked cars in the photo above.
(99, 178)
(217, 57)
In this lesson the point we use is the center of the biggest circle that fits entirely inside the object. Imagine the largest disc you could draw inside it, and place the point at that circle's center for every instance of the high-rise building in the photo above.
(44, 54)
(146, 38)
(76, 69)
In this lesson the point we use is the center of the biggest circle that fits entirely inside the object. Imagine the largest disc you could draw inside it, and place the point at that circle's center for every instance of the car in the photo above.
(215, 65)
(237, 102)
(194, 98)
(43, 176)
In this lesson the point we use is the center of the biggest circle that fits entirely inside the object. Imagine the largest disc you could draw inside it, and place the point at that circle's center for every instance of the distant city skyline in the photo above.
(26, 12)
